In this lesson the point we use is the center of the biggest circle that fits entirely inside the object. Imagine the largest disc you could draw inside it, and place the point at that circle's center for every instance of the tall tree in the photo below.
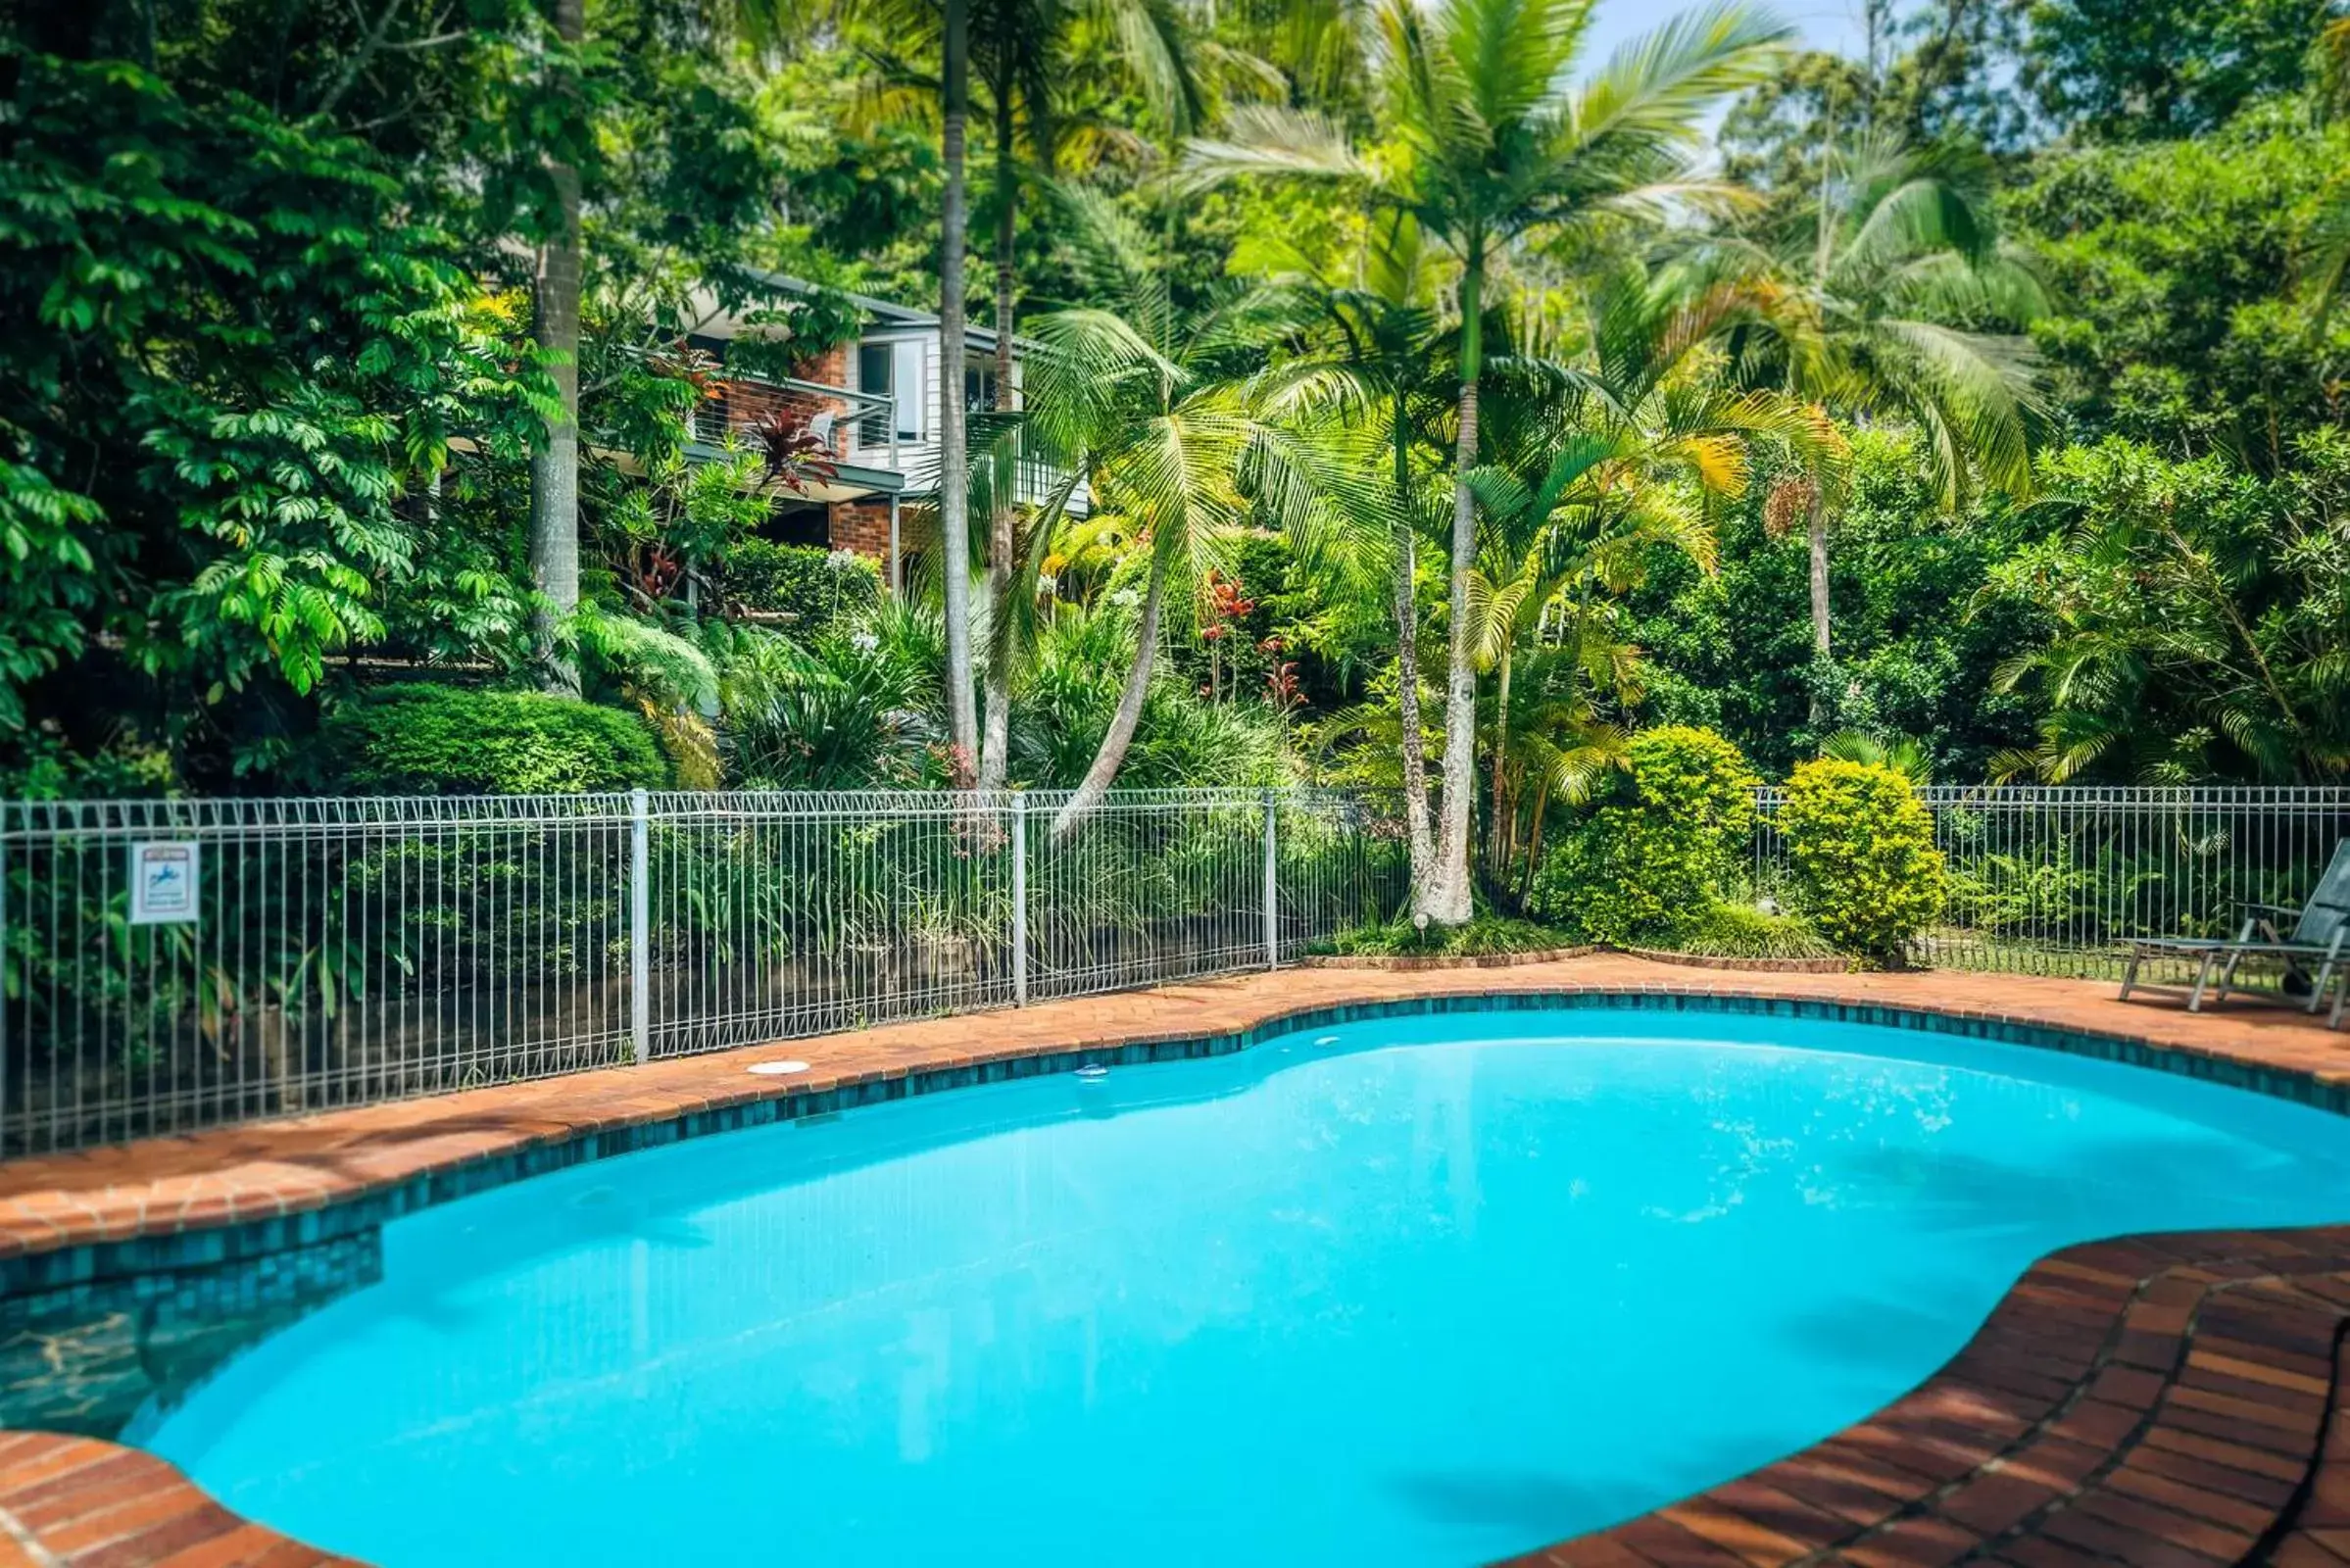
(1494, 140)
(1014, 53)
(2154, 69)
(2325, 260)
(1590, 487)
(1888, 274)
(1024, 46)
(954, 461)
(1371, 336)
(1154, 406)
(556, 280)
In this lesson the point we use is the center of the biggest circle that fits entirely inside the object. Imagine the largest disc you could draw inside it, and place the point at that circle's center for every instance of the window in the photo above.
(873, 364)
(979, 385)
(908, 381)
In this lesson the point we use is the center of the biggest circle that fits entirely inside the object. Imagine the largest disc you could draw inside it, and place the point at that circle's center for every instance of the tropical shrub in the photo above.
(1645, 867)
(1068, 688)
(814, 587)
(450, 740)
(853, 708)
(1732, 930)
(1866, 870)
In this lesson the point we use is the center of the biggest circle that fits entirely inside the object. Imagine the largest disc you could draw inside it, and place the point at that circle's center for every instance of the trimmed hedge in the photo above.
(453, 740)
(814, 586)
(1867, 873)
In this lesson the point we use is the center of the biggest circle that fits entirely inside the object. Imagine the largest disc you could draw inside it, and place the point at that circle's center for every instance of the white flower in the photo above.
(1126, 598)
(841, 560)
(1047, 583)
(865, 642)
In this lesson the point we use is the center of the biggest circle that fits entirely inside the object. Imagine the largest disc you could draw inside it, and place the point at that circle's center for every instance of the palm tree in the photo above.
(1370, 342)
(1905, 754)
(1023, 45)
(1882, 273)
(1636, 432)
(2325, 263)
(955, 463)
(1492, 142)
(1154, 405)
(1018, 49)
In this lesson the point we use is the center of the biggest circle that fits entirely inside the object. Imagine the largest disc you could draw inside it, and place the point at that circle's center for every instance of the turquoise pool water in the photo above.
(1424, 1291)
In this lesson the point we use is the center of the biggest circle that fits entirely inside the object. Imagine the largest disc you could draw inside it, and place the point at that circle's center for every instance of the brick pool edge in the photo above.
(2158, 1400)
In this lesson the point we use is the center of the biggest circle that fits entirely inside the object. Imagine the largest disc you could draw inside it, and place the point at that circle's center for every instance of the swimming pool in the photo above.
(1418, 1290)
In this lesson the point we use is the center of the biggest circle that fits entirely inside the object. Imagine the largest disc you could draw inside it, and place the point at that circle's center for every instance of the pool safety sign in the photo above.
(163, 883)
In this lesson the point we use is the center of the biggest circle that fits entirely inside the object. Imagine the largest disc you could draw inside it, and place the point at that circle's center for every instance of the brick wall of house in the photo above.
(862, 526)
(831, 366)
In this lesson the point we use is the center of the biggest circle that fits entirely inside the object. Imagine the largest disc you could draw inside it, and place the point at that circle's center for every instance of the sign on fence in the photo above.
(164, 883)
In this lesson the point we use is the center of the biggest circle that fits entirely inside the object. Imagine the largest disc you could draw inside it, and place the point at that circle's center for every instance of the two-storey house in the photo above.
(874, 404)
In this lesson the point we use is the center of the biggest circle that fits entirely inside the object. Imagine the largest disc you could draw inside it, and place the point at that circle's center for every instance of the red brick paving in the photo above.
(2159, 1400)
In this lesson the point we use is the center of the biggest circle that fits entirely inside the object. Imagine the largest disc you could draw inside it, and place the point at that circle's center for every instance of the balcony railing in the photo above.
(737, 402)
(854, 426)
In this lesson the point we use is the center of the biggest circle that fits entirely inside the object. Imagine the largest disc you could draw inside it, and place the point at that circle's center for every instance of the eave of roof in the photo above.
(888, 314)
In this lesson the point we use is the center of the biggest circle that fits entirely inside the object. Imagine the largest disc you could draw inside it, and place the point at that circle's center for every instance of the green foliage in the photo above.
(229, 355)
(1483, 936)
(1185, 742)
(1900, 753)
(1916, 643)
(1069, 687)
(1643, 867)
(2164, 69)
(1730, 930)
(855, 708)
(450, 740)
(48, 770)
(814, 586)
(267, 385)
(1867, 874)
(2202, 619)
(2174, 270)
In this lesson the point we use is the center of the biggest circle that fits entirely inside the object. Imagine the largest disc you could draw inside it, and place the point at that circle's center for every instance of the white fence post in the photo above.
(1019, 899)
(1272, 891)
(640, 928)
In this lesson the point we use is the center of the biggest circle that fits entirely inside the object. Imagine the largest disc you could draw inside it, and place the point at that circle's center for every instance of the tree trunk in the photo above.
(1502, 822)
(1816, 526)
(1112, 754)
(1419, 841)
(995, 752)
(955, 460)
(1534, 844)
(555, 460)
(1445, 900)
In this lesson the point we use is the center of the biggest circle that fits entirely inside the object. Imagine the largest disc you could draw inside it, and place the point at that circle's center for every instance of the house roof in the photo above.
(888, 314)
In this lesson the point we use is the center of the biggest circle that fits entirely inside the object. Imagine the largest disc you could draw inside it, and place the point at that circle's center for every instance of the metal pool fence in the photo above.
(2055, 880)
(167, 965)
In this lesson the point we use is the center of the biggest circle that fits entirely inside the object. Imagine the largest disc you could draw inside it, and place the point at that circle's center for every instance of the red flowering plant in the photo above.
(1228, 604)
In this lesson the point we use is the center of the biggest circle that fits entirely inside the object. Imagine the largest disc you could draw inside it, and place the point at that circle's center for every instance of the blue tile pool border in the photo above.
(244, 1241)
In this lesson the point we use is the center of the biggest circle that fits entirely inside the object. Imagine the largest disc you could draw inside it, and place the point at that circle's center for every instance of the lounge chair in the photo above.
(2321, 938)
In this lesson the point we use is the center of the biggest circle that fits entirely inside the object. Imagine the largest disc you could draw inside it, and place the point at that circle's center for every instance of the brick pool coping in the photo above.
(2158, 1400)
